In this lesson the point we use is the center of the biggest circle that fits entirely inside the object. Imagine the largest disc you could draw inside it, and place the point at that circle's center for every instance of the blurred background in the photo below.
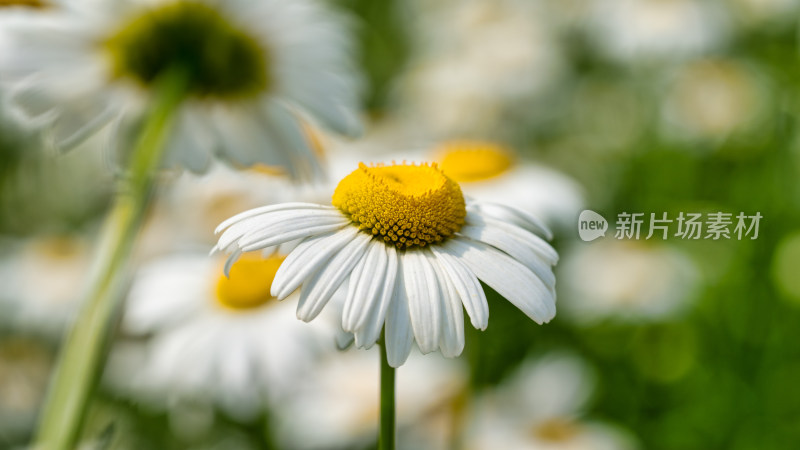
(651, 106)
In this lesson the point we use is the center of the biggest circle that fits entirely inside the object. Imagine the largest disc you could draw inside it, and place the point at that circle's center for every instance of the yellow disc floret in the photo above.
(249, 282)
(467, 161)
(405, 205)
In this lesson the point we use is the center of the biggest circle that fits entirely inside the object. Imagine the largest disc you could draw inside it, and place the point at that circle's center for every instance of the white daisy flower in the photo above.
(628, 281)
(190, 206)
(253, 69)
(713, 98)
(412, 249)
(25, 367)
(335, 407)
(42, 279)
(541, 407)
(643, 30)
(212, 338)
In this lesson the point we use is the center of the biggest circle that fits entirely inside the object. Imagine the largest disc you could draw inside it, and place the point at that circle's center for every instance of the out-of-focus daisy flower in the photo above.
(412, 249)
(191, 205)
(627, 280)
(253, 69)
(42, 279)
(224, 340)
(336, 406)
(478, 63)
(540, 407)
(644, 30)
(711, 99)
(24, 371)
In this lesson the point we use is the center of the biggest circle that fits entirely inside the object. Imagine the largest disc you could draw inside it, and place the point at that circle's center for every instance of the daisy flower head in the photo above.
(411, 248)
(42, 281)
(253, 71)
(210, 338)
(542, 406)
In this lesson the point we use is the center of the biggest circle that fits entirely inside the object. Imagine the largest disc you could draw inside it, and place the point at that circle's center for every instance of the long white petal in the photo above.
(467, 286)
(271, 208)
(258, 227)
(371, 329)
(307, 258)
(365, 287)
(319, 289)
(424, 299)
(523, 236)
(508, 277)
(518, 217)
(399, 335)
(452, 339)
(516, 248)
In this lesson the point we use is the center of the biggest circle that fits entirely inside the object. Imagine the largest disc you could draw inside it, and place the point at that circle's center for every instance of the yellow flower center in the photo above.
(466, 161)
(555, 430)
(406, 205)
(221, 60)
(249, 282)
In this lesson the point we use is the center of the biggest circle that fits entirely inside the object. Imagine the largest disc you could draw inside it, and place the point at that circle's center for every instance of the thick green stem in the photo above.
(83, 351)
(386, 438)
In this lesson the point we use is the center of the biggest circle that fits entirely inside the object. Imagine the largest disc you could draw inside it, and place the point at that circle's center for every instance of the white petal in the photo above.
(365, 286)
(271, 208)
(322, 285)
(518, 217)
(424, 299)
(369, 333)
(259, 228)
(286, 129)
(523, 236)
(399, 334)
(452, 339)
(307, 258)
(515, 247)
(289, 231)
(467, 286)
(508, 277)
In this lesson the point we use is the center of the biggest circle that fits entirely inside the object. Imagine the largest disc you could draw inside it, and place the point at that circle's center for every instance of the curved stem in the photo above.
(386, 438)
(83, 351)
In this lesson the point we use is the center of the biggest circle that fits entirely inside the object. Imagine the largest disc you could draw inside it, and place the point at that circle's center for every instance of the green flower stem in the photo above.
(83, 352)
(386, 438)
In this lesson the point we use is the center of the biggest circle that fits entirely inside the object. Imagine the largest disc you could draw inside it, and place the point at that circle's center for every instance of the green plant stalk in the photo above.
(386, 437)
(84, 350)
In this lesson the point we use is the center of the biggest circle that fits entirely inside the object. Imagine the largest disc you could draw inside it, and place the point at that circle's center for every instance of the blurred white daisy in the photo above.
(253, 68)
(223, 340)
(645, 30)
(477, 62)
(627, 280)
(337, 407)
(190, 206)
(25, 366)
(412, 249)
(42, 279)
(541, 407)
(712, 99)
